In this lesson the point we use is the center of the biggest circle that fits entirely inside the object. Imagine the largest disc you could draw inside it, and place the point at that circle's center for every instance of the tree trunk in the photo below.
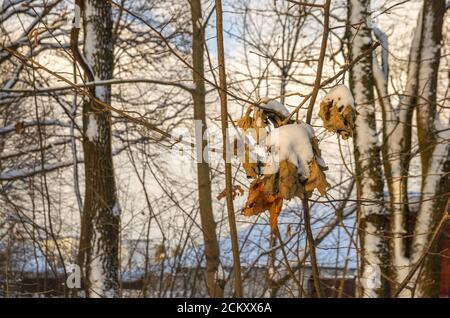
(396, 150)
(419, 95)
(372, 215)
(215, 285)
(99, 243)
(433, 149)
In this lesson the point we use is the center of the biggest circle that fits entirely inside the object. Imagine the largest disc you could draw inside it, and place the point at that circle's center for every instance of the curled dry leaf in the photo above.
(316, 179)
(250, 170)
(250, 167)
(237, 190)
(259, 200)
(271, 183)
(300, 170)
(337, 110)
(340, 120)
(290, 185)
(246, 121)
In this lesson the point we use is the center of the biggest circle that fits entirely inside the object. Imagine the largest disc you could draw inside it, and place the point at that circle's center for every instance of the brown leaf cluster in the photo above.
(340, 120)
(288, 182)
(316, 179)
(246, 121)
(266, 193)
(259, 201)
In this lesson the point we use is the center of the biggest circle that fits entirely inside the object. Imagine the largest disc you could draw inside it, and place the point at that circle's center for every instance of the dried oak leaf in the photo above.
(290, 185)
(259, 201)
(271, 183)
(250, 170)
(256, 122)
(245, 122)
(316, 179)
(340, 120)
(274, 211)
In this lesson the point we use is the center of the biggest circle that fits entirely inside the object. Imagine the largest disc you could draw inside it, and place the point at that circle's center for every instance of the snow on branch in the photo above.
(185, 87)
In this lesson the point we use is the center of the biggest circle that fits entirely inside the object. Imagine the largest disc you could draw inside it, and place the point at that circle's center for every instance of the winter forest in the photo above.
(225, 148)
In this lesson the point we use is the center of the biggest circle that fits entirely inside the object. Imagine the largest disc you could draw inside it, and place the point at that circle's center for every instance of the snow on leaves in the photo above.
(337, 111)
(295, 166)
(274, 106)
(291, 166)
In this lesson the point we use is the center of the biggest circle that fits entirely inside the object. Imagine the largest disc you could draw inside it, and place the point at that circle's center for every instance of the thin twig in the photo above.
(323, 49)
(228, 176)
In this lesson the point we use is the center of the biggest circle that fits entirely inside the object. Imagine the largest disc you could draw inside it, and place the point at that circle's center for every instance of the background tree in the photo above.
(372, 216)
(99, 241)
(212, 252)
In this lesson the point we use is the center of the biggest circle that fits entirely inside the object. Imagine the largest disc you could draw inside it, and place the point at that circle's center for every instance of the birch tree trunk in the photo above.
(396, 150)
(215, 286)
(99, 243)
(419, 95)
(372, 215)
(433, 149)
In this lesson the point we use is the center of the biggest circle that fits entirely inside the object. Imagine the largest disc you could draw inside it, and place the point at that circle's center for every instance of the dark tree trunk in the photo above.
(99, 244)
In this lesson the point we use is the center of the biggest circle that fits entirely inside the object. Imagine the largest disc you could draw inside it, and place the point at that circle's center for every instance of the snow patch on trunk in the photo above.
(371, 276)
(431, 183)
(92, 128)
(116, 210)
(90, 43)
(97, 275)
